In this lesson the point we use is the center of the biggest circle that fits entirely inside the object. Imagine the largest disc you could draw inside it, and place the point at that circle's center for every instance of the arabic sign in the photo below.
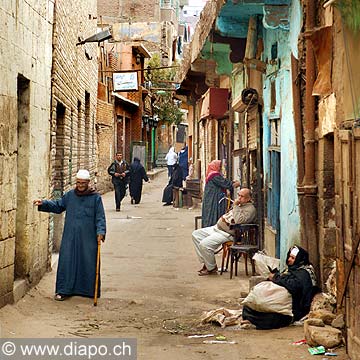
(125, 81)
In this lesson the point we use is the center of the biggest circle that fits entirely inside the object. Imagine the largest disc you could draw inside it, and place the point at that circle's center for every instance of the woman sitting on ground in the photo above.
(300, 280)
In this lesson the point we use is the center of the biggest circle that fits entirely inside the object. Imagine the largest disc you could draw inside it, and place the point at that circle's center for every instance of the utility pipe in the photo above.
(309, 178)
(307, 191)
(297, 118)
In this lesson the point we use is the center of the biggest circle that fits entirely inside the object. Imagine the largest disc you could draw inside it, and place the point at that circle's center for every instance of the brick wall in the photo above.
(105, 143)
(24, 146)
(74, 89)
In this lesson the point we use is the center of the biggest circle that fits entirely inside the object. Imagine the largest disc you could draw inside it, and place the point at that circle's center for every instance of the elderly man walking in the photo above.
(84, 229)
(207, 240)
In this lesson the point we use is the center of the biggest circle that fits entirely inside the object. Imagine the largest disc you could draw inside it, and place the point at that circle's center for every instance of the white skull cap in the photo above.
(83, 174)
(294, 251)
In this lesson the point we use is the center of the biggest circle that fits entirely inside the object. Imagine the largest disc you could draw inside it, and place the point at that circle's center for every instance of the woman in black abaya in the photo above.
(176, 180)
(137, 175)
(300, 280)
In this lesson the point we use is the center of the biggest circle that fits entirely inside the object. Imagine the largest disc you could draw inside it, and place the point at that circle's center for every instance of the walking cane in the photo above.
(97, 273)
(228, 198)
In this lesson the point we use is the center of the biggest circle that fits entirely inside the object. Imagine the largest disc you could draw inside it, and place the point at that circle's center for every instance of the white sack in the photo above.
(264, 262)
(269, 297)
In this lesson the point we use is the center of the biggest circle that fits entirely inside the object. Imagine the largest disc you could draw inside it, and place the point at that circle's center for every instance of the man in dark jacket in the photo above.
(119, 171)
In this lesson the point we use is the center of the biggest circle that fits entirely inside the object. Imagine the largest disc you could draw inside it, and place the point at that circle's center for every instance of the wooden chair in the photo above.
(246, 243)
(225, 255)
(197, 219)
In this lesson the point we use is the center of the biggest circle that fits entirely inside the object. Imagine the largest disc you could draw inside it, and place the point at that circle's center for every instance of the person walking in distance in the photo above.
(84, 229)
(137, 175)
(171, 159)
(119, 171)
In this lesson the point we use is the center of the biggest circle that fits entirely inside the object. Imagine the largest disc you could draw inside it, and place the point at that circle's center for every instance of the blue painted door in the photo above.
(273, 203)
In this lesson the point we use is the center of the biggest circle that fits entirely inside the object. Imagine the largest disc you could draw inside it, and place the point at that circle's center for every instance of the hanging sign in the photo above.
(125, 81)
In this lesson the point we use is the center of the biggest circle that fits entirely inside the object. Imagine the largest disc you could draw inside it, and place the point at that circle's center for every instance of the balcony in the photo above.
(215, 103)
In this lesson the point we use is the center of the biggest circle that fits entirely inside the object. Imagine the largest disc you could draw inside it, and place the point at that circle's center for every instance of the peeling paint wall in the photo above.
(280, 74)
(148, 33)
(202, 30)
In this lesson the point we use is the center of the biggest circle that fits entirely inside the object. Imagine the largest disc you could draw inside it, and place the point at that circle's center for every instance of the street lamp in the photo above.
(151, 121)
(145, 120)
(155, 120)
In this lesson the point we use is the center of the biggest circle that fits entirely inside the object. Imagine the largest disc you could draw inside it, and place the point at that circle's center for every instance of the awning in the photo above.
(141, 49)
(125, 100)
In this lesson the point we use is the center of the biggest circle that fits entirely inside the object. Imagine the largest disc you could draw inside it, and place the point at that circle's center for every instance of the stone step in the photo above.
(160, 161)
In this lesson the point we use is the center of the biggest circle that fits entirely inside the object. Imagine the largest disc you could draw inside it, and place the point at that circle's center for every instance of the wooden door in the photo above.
(273, 195)
(348, 222)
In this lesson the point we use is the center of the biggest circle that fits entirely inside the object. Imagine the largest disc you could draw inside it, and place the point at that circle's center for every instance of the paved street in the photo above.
(150, 291)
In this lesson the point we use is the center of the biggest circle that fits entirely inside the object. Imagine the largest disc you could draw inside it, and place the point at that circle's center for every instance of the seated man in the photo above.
(207, 240)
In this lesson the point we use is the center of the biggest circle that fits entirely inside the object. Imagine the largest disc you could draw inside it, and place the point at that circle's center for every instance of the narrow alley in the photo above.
(151, 292)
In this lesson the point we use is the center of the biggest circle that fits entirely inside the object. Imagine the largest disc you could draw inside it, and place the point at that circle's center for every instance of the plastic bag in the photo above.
(263, 263)
(269, 297)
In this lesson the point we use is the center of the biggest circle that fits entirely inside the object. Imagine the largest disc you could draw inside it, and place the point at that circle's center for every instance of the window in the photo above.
(275, 132)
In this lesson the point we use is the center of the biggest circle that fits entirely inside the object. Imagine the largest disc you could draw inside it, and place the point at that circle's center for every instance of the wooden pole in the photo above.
(97, 274)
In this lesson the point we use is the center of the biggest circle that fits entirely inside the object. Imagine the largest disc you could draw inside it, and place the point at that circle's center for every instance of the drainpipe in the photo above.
(297, 118)
(307, 191)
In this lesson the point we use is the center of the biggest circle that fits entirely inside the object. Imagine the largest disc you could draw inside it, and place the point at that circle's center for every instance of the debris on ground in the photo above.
(218, 342)
(223, 317)
(299, 342)
(318, 350)
(200, 336)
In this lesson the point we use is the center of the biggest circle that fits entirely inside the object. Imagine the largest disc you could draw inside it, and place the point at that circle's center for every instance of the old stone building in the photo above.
(138, 29)
(74, 99)
(48, 102)
(119, 115)
(25, 92)
(154, 23)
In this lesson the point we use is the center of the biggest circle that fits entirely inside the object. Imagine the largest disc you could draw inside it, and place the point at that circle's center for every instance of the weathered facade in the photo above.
(25, 92)
(343, 143)
(282, 221)
(153, 23)
(120, 123)
(105, 125)
(300, 58)
(74, 100)
(138, 28)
